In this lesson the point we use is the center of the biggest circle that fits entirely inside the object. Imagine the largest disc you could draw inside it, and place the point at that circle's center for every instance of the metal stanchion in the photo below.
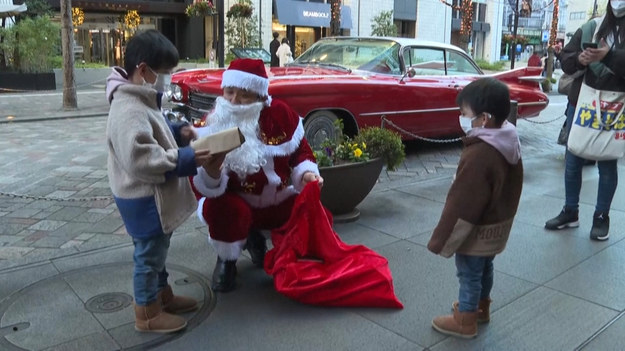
(514, 111)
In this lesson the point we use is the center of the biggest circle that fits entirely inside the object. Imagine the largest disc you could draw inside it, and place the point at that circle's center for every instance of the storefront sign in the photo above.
(316, 14)
(309, 14)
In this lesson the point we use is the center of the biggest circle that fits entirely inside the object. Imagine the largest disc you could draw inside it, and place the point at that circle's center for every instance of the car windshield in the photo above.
(381, 56)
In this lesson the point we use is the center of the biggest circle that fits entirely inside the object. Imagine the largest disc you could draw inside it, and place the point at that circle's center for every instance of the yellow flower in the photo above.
(357, 153)
(354, 146)
(364, 146)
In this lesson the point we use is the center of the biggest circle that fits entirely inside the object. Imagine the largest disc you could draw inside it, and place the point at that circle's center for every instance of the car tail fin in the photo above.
(529, 76)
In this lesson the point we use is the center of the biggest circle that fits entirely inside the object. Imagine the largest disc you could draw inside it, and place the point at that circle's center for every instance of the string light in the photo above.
(554, 23)
(466, 12)
(132, 19)
(78, 16)
(335, 13)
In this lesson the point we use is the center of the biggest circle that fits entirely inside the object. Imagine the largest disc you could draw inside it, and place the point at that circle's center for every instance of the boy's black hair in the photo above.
(486, 95)
(276, 35)
(151, 47)
(285, 40)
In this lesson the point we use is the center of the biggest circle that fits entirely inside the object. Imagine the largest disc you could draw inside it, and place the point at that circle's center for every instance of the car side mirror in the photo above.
(410, 73)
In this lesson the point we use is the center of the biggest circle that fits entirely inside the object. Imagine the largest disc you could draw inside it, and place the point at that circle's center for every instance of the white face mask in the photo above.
(466, 123)
(618, 7)
(163, 80)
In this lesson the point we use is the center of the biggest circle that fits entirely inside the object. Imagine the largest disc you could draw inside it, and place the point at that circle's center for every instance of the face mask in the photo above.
(466, 123)
(163, 80)
(618, 7)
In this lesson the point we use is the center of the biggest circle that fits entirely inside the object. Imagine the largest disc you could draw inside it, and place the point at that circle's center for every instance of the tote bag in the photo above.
(598, 129)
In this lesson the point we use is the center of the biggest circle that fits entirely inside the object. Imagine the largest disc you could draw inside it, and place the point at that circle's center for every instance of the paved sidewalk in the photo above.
(66, 262)
(38, 106)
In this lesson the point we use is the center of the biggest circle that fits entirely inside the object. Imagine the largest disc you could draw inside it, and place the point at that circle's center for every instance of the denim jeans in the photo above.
(608, 178)
(150, 275)
(475, 274)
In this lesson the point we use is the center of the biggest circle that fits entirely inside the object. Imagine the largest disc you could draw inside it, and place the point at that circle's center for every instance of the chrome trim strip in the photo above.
(537, 103)
(390, 113)
(409, 111)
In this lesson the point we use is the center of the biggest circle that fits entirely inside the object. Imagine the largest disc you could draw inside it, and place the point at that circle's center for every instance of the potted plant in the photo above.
(201, 8)
(351, 167)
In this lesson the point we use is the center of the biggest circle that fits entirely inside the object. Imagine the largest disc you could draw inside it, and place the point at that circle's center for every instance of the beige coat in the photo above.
(142, 157)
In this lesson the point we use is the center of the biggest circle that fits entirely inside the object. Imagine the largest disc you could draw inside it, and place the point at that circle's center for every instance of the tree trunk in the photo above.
(69, 84)
(335, 18)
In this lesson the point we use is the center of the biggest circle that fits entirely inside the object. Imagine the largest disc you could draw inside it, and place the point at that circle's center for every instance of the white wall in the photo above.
(368, 10)
(492, 43)
(433, 21)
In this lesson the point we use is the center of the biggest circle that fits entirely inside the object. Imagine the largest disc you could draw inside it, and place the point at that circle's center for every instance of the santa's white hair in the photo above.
(249, 158)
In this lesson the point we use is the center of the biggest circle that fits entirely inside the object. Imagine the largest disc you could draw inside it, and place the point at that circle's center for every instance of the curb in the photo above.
(47, 118)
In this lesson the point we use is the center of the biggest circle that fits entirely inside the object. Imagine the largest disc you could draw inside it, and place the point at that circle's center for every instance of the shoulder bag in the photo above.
(598, 128)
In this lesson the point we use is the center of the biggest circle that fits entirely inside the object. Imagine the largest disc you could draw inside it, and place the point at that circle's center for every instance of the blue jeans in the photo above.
(150, 275)
(475, 274)
(608, 178)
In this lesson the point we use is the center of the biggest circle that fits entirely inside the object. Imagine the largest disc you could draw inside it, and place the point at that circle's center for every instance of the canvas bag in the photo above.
(598, 129)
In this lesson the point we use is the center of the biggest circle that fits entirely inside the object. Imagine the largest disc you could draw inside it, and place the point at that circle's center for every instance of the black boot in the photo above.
(257, 247)
(224, 275)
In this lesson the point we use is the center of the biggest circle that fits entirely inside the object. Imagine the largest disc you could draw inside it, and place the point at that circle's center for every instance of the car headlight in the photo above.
(175, 92)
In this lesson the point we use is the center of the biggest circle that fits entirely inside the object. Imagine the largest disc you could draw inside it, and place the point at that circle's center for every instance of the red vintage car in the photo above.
(407, 84)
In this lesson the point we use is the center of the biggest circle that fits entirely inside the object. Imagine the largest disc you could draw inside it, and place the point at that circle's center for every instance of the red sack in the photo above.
(310, 263)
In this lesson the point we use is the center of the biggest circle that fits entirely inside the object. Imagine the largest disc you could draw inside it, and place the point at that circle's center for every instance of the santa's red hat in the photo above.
(248, 74)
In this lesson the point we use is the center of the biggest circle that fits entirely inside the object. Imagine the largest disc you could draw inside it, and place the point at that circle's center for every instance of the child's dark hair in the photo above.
(285, 40)
(151, 47)
(486, 95)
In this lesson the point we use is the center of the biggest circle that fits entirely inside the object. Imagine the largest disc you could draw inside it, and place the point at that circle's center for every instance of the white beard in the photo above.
(249, 158)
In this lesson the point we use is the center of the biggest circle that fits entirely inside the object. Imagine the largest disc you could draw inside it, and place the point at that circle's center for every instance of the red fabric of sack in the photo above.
(310, 263)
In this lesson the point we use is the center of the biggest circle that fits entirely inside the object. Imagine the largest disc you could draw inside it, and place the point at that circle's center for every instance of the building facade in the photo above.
(105, 25)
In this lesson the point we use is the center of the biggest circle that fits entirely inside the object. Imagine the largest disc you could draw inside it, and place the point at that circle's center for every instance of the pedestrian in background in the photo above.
(534, 60)
(148, 175)
(273, 48)
(284, 52)
(604, 70)
(481, 203)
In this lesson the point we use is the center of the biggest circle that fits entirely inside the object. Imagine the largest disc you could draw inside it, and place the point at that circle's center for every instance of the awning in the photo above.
(309, 14)
(9, 10)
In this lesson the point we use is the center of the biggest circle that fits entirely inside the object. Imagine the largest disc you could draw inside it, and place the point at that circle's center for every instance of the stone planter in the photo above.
(27, 81)
(345, 186)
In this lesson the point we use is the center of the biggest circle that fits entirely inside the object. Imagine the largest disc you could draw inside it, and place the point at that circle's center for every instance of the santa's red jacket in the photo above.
(288, 157)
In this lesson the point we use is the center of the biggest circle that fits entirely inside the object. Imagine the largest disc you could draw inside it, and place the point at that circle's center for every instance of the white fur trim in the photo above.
(290, 146)
(227, 251)
(209, 186)
(200, 210)
(245, 80)
(298, 173)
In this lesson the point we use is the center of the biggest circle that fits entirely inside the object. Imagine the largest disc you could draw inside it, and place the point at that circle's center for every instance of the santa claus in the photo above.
(255, 185)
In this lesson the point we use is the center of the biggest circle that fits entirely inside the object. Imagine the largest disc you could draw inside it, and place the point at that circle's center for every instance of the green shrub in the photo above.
(383, 143)
(487, 66)
(37, 41)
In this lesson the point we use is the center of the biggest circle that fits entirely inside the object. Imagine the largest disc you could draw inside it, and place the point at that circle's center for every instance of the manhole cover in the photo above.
(108, 302)
(93, 307)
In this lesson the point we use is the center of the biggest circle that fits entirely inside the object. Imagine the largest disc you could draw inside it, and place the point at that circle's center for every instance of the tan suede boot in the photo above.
(483, 309)
(151, 318)
(176, 304)
(461, 324)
